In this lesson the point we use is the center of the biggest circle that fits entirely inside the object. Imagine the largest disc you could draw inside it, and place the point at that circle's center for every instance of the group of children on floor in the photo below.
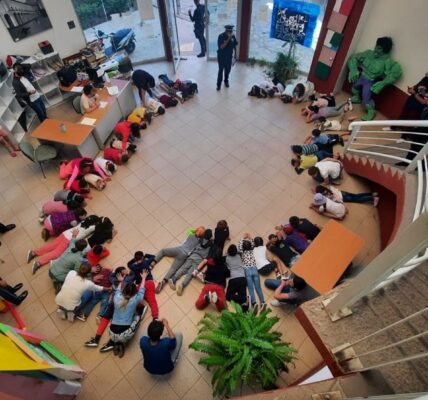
(166, 93)
(316, 155)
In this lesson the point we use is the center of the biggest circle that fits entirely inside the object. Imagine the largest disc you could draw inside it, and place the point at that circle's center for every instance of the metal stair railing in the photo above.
(376, 140)
(350, 360)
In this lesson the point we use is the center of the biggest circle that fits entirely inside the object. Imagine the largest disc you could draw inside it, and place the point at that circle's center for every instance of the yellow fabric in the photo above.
(308, 161)
(13, 359)
(137, 115)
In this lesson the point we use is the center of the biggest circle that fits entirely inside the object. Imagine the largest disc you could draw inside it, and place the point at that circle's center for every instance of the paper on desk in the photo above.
(103, 104)
(88, 121)
(112, 90)
(77, 89)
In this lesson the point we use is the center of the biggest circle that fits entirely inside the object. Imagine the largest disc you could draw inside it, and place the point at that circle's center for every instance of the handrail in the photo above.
(392, 122)
(370, 140)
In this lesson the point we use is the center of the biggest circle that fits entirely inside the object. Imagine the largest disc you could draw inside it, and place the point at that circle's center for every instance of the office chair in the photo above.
(39, 155)
(76, 105)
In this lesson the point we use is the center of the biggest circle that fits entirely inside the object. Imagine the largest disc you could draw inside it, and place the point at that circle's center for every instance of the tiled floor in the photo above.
(222, 155)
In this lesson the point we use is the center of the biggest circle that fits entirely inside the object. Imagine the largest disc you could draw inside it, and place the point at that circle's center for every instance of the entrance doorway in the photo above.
(111, 17)
(275, 21)
(218, 14)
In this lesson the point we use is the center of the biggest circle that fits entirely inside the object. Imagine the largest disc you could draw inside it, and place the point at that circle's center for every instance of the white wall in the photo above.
(406, 22)
(64, 40)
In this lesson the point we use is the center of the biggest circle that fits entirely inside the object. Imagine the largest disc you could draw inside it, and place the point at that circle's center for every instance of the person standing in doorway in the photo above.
(26, 93)
(198, 19)
(226, 50)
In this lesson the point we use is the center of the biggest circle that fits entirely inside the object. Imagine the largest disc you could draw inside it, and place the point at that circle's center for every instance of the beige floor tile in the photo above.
(141, 381)
(161, 390)
(183, 377)
(105, 376)
(222, 156)
(89, 358)
(200, 390)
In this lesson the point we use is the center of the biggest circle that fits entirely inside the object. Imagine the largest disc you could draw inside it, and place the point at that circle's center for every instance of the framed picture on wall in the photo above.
(24, 18)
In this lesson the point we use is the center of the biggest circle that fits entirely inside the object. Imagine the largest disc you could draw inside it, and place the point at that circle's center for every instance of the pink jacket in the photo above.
(76, 170)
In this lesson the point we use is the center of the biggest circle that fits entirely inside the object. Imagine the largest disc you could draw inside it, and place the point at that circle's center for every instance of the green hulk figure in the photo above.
(369, 72)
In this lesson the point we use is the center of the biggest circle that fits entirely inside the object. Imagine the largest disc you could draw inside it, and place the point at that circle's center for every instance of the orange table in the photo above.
(79, 136)
(325, 260)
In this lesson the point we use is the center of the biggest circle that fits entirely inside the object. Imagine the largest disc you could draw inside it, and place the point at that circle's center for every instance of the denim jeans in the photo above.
(90, 299)
(273, 284)
(39, 108)
(357, 197)
(253, 282)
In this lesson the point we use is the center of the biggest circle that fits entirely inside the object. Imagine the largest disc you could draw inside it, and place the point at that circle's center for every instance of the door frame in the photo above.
(166, 34)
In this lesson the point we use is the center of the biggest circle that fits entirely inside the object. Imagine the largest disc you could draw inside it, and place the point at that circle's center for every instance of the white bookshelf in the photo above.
(48, 84)
(10, 109)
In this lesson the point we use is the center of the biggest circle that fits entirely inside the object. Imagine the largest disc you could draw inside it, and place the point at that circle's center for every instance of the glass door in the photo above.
(173, 32)
(130, 26)
(219, 14)
(275, 23)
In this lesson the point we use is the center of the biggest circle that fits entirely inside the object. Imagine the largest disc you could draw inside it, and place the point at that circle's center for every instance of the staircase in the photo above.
(397, 190)
(378, 310)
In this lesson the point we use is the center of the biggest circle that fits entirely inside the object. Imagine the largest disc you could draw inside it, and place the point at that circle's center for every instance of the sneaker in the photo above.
(255, 308)
(350, 104)
(179, 289)
(36, 265)
(70, 316)
(30, 256)
(201, 55)
(115, 349)
(45, 234)
(92, 343)
(98, 319)
(41, 220)
(263, 307)
(213, 297)
(62, 314)
(17, 287)
(107, 347)
(22, 296)
(171, 284)
(275, 303)
(81, 317)
(160, 286)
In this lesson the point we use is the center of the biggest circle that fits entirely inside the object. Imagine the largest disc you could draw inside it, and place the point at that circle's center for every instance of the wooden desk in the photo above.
(79, 136)
(119, 106)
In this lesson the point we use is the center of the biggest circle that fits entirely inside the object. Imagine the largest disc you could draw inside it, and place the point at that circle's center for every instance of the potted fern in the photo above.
(242, 349)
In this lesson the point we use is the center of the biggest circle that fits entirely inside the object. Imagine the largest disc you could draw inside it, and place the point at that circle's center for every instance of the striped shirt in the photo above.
(308, 149)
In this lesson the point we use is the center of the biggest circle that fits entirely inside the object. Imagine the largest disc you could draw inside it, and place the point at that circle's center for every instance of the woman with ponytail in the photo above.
(128, 313)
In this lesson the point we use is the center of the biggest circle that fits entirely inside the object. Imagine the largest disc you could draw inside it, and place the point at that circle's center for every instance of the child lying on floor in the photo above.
(321, 102)
(324, 124)
(116, 156)
(326, 112)
(318, 138)
(296, 93)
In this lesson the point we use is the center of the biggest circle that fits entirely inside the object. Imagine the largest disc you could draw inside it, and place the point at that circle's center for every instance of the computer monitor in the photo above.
(96, 76)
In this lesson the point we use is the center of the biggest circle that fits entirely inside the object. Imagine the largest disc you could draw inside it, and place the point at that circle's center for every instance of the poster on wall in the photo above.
(294, 20)
(24, 18)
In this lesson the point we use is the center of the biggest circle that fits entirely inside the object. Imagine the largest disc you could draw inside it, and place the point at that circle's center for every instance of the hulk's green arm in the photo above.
(355, 60)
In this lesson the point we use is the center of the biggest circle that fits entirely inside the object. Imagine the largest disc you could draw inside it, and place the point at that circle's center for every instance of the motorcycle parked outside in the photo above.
(123, 39)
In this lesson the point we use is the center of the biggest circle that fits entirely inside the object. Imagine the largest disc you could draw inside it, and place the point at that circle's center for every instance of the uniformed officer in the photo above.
(226, 50)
